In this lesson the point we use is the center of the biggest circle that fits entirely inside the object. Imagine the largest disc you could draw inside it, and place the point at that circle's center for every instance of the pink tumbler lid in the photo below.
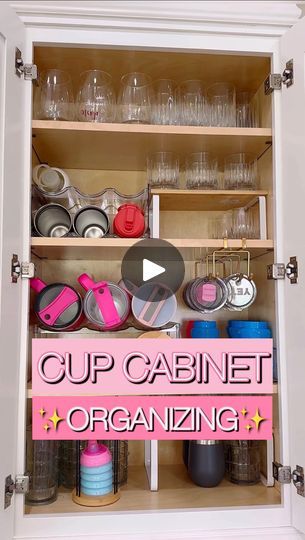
(95, 455)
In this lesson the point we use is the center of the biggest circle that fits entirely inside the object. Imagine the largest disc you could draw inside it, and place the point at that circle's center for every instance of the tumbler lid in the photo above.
(95, 455)
(129, 221)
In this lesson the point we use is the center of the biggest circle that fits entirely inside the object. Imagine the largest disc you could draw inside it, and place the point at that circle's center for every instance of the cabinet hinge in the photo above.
(29, 71)
(280, 270)
(21, 485)
(275, 81)
(283, 474)
(25, 270)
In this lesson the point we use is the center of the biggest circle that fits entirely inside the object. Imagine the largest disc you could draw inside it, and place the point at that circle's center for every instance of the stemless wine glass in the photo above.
(163, 170)
(201, 171)
(191, 102)
(164, 106)
(222, 104)
(54, 96)
(95, 100)
(247, 113)
(240, 171)
(135, 98)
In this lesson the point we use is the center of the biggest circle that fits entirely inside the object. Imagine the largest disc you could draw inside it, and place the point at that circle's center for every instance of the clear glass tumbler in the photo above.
(191, 104)
(240, 171)
(243, 461)
(135, 98)
(163, 170)
(244, 224)
(42, 466)
(95, 100)
(222, 104)
(54, 96)
(247, 113)
(164, 105)
(201, 171)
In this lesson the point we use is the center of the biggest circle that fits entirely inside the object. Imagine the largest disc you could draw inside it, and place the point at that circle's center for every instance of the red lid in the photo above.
(129, 221)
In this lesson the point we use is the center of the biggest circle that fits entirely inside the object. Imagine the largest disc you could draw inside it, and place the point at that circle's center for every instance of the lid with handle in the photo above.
(106, 305)
(129, 221)
(155, 306)
(57, 305)
(242, 292)
(208, 294)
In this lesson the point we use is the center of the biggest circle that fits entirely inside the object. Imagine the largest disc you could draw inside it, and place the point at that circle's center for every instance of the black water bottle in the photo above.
(206, 462)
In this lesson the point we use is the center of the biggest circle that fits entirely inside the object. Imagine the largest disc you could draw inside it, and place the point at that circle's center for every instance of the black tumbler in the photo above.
(206, 462)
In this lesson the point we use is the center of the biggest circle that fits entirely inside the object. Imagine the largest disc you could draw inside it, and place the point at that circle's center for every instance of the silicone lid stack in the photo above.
(96, 470)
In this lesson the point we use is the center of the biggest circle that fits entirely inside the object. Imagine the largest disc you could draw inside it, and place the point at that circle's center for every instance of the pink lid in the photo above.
(95, 455)
(208, 292)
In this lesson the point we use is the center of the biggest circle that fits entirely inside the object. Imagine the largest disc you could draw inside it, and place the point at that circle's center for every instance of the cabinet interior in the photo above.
(97, 156)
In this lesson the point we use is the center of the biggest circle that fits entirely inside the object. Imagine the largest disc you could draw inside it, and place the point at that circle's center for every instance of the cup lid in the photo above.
(95, 455)
(129, 221)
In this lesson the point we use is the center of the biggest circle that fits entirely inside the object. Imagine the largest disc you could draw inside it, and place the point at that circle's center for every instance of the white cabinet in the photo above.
(211, 41)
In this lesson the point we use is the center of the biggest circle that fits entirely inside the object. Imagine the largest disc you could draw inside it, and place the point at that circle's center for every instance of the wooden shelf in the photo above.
(196, 200)
(86, 145)
(176, 491)
(115, 248)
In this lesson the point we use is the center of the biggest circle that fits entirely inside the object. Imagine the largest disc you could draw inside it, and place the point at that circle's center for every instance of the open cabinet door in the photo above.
(290, 160)
(12, 181)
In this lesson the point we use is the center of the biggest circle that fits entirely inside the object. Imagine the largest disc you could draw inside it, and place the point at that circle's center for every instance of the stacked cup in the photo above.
(96, 470)
(249, 329)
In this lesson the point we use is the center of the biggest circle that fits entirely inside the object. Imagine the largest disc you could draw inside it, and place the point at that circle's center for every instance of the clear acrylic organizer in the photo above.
(108, 200)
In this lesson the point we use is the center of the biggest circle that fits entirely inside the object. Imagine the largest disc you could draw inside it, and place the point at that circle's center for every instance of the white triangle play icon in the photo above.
(151, 269)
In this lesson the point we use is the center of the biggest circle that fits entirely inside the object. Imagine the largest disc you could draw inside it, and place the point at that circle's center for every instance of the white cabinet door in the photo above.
(290, 170)
(12, 180)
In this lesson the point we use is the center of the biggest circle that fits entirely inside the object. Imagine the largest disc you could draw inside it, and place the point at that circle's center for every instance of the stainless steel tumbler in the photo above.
(91, 222)
(206, 462)
(52, 220)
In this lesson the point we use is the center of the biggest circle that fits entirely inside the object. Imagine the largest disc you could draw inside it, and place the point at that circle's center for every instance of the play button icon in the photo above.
(151, 270)
(154, 261)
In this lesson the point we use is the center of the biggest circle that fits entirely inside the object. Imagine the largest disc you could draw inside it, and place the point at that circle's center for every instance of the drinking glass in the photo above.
(240, 171)
(163, 170)
(191, 104)
(243, 461)
(244, 224)
(246, 110)
(222, 104)
(135, 98)
(201, 171)
(164, 106)
(95, 100)
(42, 465)
(54, 96)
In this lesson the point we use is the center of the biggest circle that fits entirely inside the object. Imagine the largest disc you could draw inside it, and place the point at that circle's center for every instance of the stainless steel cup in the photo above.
(91, 222)
(52, 220)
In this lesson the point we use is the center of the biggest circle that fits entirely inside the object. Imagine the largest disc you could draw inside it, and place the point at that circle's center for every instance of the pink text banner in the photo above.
(70, 367)
(152, 417)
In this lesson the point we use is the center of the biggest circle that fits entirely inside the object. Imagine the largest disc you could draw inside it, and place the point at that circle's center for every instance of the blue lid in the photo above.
(204, 324)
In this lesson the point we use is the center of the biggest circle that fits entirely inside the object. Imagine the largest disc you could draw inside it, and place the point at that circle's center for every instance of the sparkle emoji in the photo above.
(248, 427)
(55, 419)
(257, 419)
(244, 411)
(42, 412)
(46, 427)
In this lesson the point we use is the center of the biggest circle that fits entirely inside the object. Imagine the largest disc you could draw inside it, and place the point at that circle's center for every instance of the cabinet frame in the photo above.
(88, 525)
